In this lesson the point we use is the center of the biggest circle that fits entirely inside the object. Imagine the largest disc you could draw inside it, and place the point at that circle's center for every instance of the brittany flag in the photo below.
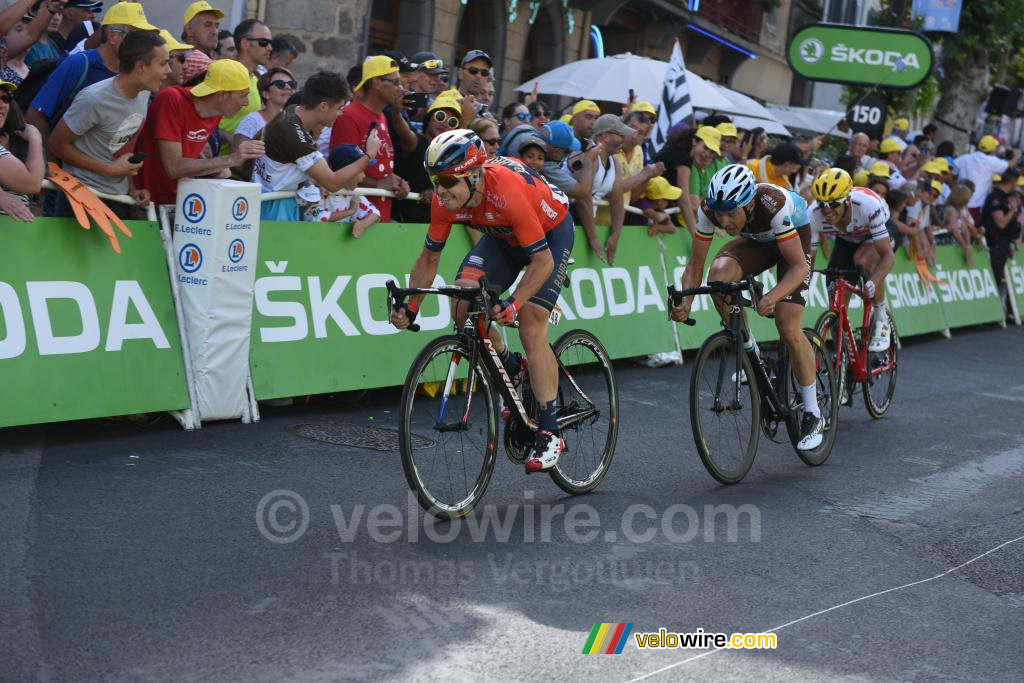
(607, 639)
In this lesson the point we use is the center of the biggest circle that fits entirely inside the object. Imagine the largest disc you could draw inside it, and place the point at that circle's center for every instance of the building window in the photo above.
(383, 19)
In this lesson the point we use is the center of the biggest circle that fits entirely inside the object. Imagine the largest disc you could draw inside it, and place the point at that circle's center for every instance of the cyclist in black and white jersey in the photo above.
(769, 228)
(857, 217)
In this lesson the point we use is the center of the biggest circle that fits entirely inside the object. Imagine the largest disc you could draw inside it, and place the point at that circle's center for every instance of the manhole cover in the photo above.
(360, 436)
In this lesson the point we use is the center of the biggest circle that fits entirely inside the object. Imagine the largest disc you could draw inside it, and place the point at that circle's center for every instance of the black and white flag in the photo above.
(675, 105)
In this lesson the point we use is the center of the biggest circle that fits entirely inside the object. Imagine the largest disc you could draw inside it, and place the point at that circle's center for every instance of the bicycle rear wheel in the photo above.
(588, 412)
(827, 327)
(447, 429)
(828, 404)
(881, 383)
(725, 409)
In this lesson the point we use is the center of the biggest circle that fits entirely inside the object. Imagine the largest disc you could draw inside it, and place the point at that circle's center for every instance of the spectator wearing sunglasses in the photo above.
(429, 72)
(21, 157)
(177, 52)
(276, 87)
(540, 114)
(378, 88)
(513, 115)
(443, 115)
(487, 130)
(252, 38)
(475, 72)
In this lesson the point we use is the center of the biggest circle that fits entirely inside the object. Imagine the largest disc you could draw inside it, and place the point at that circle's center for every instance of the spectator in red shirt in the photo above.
(178, 124)
(376, 90)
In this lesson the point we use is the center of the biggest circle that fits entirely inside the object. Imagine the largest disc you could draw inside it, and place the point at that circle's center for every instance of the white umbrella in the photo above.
(612, 77)
(813, 120)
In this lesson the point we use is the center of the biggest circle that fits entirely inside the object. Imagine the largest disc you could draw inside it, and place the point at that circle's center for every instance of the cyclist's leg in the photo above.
(789, 316)
(842, 258)
(739, 257)
(486, 259)
(533, 325)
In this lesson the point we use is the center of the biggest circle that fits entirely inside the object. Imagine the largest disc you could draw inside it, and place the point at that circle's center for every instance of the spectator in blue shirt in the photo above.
(81, 70)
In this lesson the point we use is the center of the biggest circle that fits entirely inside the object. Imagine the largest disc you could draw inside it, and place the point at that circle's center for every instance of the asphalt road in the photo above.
(133, 553)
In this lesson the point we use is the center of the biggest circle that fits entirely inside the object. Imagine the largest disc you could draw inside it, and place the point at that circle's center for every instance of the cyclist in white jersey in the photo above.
(857, 218)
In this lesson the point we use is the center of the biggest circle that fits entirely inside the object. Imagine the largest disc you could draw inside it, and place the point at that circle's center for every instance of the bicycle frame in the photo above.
(475, 335)
(859, 371)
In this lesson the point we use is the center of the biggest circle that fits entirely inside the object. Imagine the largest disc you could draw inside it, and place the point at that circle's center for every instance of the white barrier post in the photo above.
(1010, 295)
(216, 238)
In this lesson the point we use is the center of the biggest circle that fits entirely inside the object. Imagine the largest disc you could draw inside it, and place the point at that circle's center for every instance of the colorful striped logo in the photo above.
(607, 639)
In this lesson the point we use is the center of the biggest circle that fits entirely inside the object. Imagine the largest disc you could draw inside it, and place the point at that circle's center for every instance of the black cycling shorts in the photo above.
(756, 257)
(502, 262)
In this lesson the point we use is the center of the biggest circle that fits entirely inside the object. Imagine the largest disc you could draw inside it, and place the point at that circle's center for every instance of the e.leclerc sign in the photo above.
(862, 56)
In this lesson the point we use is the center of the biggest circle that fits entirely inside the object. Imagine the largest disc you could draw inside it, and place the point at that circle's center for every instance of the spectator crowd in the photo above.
(129, 108)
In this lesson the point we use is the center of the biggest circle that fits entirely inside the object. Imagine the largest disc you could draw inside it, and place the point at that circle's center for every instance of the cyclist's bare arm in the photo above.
(793, 252)
(692, 275)
(423, 272)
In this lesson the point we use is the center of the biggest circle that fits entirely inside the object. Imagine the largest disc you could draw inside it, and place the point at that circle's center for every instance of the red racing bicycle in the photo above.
(854, 364)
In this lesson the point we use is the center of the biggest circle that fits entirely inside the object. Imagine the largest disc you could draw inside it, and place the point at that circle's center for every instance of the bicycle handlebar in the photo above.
(747, 284)
(397, 296)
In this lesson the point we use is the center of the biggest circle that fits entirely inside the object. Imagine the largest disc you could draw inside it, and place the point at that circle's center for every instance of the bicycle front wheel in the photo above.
(588, 412)
(881, 382)
(447, 429)
(828, 403)
(725, 409)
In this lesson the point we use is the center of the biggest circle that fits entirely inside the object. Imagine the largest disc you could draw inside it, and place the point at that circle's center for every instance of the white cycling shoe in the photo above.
(546, 450)
(880, 337)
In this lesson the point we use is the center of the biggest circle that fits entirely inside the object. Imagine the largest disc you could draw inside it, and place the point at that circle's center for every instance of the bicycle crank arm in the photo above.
(570, 421)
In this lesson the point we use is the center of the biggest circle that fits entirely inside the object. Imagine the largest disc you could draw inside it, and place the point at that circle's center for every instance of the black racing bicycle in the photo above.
(448, 428)
(736, 394)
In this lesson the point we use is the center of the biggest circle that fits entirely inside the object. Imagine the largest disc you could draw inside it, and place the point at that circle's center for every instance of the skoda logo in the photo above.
(190, 258)
(811, 50)
(236, 250)
(240, 209)
(194, 208)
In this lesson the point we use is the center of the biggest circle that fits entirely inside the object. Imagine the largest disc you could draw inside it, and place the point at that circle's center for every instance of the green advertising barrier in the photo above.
(1015, 267)
(85, 332)
(968, 294)
(868, 56)
(320, 322)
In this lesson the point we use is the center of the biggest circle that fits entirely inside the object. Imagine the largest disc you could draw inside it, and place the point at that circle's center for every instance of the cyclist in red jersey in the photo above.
(525, 222)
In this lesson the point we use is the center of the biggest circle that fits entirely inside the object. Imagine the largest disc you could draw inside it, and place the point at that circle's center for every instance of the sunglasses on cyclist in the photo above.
(476, 71)
(262, 42)
(523, 116)
(282, 85)
(833, 205)
(447, 181)
(447, 119)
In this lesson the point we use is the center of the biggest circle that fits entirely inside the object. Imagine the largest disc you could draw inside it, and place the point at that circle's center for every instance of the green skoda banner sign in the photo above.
(85, 332)
(837, 53)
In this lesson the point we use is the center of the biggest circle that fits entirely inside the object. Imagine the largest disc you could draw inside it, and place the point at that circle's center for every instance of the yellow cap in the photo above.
(584, 105)
(987, 143)
(860, 178)
(223, 75)
(445, 101)
(173, 44)
(937, 186)
(932, 168)
(996, 178)
(8, 86)
(659, 188)
(711, 138)
(890, 145)
(728, 130)
(880, 169)
(198, 8)
(644, 107)
(901, 124)
(565, 118)
(1020, 181)
(942, 163)
(377, 66)
(128, 14)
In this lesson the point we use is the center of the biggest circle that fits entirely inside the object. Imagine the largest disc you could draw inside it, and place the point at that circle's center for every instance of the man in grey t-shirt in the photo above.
(96, 136)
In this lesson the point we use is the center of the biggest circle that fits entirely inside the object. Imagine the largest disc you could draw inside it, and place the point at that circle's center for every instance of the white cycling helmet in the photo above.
(732, 187)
